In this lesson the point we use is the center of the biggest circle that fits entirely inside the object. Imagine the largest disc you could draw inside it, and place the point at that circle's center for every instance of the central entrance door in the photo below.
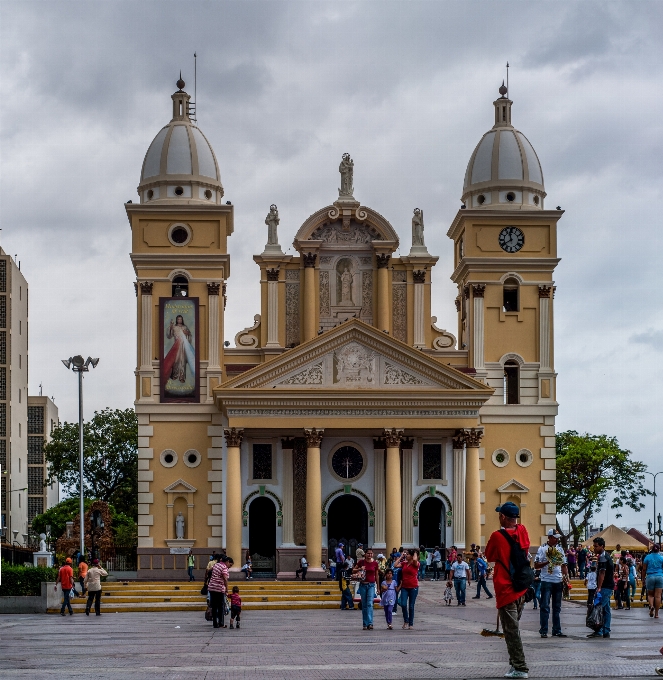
(262, 536)
(431, 522)
(347, 521)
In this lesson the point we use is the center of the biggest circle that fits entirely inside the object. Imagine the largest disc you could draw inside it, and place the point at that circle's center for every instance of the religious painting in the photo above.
(178, 321)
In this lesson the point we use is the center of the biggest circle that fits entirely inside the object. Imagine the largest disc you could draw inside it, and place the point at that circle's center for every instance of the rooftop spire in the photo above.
(502, 108)
(180, 83)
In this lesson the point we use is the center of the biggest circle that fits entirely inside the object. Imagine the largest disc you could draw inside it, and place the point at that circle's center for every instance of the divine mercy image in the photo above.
(178, 365)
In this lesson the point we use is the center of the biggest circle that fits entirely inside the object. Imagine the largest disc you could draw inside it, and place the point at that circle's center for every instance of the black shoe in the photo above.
(61, 613)
(594, 635)
(490, 597)
(238, 625)
(87, 612)
(97, 614)
(71, 613)
(559, 635)
(544, 635)
(463, 604)
(476, 597)
(606, 635)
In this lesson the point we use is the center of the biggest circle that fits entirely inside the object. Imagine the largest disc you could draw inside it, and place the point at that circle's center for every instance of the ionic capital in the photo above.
(313, 437)
(233, 436)
(393, 437)
(473, 437)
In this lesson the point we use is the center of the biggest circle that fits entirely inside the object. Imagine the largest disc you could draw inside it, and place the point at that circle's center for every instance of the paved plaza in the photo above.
(318, 644)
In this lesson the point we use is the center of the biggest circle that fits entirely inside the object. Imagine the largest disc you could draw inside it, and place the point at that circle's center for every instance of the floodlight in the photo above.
(67, 362)
(78, 361)
(94, 362)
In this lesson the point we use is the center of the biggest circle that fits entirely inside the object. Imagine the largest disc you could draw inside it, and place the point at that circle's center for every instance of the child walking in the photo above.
(235, 607)
(448, 593)
(388, 599)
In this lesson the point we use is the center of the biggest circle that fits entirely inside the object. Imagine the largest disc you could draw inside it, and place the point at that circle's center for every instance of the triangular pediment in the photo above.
(355, 355)
(512, 486)
(181, 486)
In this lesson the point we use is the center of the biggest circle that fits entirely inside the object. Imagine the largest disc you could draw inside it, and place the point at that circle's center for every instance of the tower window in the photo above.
(179, 235)
(511, 197)
(481, 200)
(511, 382)
(150, 194)
(180, 286)
(510, 294)
(262, 461)
(208, 194)
(179, 191)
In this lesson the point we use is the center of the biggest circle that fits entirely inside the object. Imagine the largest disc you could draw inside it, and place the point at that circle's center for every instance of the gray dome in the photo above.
(504, 170)
(180, 164)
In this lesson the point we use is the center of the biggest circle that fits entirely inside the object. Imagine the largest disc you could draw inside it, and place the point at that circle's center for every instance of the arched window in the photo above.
(511, 382)
(180, 286)
(511, 301)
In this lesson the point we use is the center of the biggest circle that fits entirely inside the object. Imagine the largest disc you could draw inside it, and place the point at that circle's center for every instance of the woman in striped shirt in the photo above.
(217, 587)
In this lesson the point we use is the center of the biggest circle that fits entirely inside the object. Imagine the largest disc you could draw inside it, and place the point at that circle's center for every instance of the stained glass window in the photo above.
(262, 461)
(432, 461)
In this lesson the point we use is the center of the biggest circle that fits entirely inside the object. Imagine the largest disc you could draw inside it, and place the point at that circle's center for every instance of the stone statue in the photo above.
(418, 228)
(272, 221)
(346, 287)
(42, 542)
(179, 525)
(346, 168)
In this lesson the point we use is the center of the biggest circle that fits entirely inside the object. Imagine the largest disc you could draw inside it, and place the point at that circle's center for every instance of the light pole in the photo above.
(80, 366)
(655, 476)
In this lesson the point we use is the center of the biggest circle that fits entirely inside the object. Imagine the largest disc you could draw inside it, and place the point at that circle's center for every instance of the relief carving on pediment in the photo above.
(355, 365)
(337, 233)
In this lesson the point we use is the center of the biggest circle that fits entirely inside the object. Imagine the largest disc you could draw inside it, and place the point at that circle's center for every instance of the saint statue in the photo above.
(179, 525)
(272, 221)
(346, 287)
(42, 542)
(418, 228)
(346, 168)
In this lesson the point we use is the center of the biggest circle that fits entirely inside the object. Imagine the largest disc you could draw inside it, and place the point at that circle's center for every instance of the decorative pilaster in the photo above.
(544, 327)
(383, 293)
(419, 279)
(310, 329)
(234, 495)
(146, 325)
(393, 513)
(379, 485)
(213, 373)
(288, 489)
(272, 307)
(313, 499)
(459, 491)
(472, 486)
(477, 326)
(407, 534)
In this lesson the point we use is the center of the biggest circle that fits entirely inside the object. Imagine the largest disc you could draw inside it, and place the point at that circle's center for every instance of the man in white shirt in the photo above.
(551, 560)
(304, 568)
(461, 573)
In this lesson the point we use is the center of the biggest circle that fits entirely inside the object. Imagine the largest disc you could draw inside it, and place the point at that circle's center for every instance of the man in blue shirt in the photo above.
(482, 571)
(652, 575)
(339, 558)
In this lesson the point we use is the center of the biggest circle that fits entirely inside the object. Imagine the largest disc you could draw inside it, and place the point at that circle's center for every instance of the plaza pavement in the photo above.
(320, 645)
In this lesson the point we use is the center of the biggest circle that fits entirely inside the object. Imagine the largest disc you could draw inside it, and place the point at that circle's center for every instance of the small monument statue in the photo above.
(418, 244)
(42, 543)
(346, 168)
(42, 558)
(179, 525)
(272, 221)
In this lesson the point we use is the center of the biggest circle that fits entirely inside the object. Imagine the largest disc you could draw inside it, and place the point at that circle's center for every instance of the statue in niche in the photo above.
(272, 221)
(418, 228)
(346, 287)
(179, 525)
(346, 168)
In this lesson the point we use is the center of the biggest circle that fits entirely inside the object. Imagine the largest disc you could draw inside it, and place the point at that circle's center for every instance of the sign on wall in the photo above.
(178, 319)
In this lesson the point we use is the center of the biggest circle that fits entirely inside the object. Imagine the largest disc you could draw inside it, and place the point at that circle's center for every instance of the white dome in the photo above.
(504, 170)
(180, 164)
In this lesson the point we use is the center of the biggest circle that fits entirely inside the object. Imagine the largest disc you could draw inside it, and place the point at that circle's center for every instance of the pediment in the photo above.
(180, 486)
(357, 356)
(512, 486)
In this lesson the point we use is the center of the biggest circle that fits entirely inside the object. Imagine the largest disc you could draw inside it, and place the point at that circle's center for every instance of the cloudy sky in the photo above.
(284, 88)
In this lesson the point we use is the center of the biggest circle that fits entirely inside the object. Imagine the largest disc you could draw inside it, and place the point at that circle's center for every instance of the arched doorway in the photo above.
(347, 521)
(262, 535)
(432, 522)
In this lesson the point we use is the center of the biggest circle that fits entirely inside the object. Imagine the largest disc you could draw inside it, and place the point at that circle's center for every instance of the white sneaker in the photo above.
(513, 673)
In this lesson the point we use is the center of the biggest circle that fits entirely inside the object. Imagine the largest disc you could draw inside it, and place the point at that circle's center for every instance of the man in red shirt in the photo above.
(66, 580)
(510, 603)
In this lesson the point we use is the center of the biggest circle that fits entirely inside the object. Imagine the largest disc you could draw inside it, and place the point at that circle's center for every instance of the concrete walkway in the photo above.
(320, 644)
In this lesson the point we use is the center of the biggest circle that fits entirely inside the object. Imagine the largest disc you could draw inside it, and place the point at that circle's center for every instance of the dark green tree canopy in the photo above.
(589, 469)
(110, 458)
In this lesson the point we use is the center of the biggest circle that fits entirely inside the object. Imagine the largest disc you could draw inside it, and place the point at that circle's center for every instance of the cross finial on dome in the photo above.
(180, 83)
(503, 90)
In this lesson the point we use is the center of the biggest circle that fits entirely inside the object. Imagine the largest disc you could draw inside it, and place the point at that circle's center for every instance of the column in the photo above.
(472, 487)
(459, 491)
(146, 371)
(313, 501)
(477, 326)
(288, 527)
(407, 534)
(379, 493)
(272, 307)
(213, 373)
(384, 306)
(310, 330)
(234, 496)
(419, 278)
(393, 525)
(544, 327)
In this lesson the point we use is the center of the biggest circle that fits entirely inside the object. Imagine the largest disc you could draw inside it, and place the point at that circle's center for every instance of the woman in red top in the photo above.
(409, 585)
(367, 587)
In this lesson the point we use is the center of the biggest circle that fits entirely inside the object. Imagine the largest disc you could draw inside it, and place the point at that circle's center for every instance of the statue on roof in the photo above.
(346, 168)
(272, 220)
(418, 228)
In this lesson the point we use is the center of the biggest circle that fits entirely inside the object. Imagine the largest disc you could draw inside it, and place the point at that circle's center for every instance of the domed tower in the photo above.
(505, 254)
(179, 252)
(504, 171)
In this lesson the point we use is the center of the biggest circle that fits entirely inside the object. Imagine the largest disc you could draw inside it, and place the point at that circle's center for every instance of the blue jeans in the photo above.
(537, 593)
(366, 592)
(460, 584)
(346, 599)
(548, 591)
(190, 572)
(408, 595)
(581, 569)
(422, 569)
(606, 596)
(631, 585)
(65, 601)
(481, 583)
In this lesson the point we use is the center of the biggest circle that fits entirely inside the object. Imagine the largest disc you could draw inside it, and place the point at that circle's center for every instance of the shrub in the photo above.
(24, 580)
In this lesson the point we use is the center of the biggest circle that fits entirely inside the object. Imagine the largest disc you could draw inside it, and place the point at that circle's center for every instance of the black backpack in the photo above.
(522, 574)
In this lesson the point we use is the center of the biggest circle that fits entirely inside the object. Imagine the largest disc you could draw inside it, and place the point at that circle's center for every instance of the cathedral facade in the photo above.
(342, 413)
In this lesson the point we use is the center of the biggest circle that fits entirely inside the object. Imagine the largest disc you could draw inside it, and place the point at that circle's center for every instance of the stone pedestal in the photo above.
(43, 558)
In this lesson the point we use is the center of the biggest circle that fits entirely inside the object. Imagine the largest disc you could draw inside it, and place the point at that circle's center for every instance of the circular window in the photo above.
(208, 194)
(511, 197)
(150, 194)
(481, 200)
(168, 458)
(179, 234)
(500, 457)
(191, 458)
(536, 200)
(347, 462)
(524, 458)
(179, 191)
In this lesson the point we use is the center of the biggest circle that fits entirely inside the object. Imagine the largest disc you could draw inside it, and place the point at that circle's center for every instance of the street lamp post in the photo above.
(80, 366)
(654, 524)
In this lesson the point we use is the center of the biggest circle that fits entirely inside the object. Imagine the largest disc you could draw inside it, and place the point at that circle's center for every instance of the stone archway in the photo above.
(347, 520)
(432, 522)
(262, 534)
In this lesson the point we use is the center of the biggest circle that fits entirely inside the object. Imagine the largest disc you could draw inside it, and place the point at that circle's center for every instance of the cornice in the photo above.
(179, 260)
(503, 264)
(508, 215)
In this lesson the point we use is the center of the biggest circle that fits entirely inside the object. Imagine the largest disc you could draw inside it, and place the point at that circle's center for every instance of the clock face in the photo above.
(347, 462)
(511, 239)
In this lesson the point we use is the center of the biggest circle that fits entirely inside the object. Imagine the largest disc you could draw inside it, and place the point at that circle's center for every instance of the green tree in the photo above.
(110, 458)
(589, 468)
